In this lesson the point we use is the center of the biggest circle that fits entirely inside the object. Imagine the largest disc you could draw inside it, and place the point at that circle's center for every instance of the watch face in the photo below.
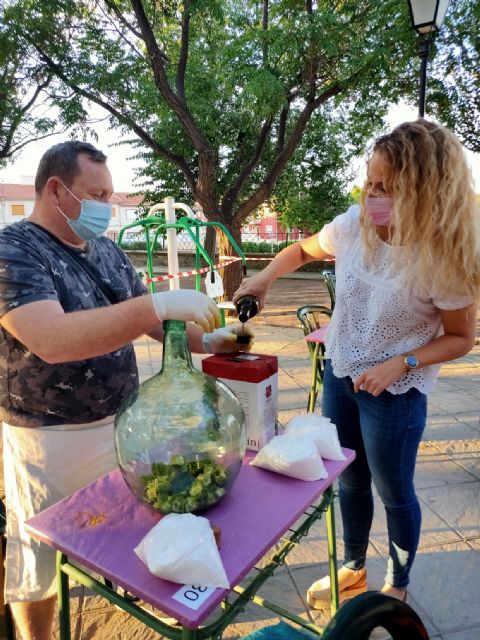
(411, 361)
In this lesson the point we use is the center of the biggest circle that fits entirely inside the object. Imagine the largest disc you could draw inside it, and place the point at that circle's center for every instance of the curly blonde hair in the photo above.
(436, 217)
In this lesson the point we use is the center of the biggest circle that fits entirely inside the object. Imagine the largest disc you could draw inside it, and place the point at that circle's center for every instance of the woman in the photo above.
(407, 281)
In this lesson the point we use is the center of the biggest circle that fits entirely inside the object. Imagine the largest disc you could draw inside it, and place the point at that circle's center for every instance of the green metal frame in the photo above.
(308, 318)
(186, 224)
(231, 609)
(330, 282)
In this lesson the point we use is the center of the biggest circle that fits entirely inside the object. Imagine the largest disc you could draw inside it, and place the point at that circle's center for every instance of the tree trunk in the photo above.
(210, 243)
(232, 273)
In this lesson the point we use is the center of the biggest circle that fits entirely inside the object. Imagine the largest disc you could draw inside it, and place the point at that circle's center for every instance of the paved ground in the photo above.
(445, 585)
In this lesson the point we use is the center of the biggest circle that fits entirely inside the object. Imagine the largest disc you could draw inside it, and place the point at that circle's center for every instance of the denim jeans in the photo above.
(385, 433)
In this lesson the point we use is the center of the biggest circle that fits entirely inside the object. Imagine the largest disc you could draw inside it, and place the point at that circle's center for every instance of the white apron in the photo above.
(42, 465)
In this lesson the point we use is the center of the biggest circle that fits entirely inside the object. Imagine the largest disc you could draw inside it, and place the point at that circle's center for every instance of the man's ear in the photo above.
(51, 189)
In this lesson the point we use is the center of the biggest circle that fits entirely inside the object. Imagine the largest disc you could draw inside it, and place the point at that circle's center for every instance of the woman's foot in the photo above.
(350, 583)
(400, 593)
(394, 592)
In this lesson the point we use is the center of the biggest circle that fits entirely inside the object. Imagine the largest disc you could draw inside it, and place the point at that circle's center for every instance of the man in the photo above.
(70, 306)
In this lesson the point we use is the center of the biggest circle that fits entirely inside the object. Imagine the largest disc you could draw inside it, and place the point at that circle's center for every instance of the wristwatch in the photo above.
(411, 361)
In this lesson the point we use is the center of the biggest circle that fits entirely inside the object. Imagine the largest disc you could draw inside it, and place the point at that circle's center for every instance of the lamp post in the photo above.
(427, 18)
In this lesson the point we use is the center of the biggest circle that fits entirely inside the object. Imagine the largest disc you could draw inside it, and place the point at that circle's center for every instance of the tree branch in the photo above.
(282, 124)
(182, 60)
(177, 105)
(121, 117)
(234, 190)
(204, 185)
(313, 60)
(267, 186)
(114, 8)
(38, 90)
(8, 153)
(7, 150)
(265, 29)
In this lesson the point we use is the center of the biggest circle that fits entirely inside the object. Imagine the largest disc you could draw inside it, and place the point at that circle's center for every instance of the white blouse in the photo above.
(377, 316)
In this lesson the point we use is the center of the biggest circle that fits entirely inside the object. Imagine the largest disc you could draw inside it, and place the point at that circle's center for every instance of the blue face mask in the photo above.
(93, 219)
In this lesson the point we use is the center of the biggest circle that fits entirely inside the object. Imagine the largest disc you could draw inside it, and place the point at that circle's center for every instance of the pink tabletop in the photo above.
(318, 335)
(101, 524)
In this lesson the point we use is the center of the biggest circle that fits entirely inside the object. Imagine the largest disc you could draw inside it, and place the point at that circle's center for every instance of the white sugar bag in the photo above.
(294, 457)
(182, 548)
(321, 431)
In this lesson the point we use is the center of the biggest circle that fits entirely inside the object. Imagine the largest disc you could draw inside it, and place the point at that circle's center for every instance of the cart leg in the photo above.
(332, 555)
(188, 634)
(63, 599)
(312, 396)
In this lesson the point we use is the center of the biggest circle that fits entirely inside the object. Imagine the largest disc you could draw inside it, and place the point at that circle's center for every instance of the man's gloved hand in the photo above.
(187, 304)
(224, 340)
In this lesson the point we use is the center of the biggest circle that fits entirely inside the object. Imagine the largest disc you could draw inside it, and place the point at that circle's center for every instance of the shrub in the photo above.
(248, 246)
(134, 245)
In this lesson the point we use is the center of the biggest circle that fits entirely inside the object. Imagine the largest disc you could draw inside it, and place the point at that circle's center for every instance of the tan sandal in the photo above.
(350, 584)
(386, 589)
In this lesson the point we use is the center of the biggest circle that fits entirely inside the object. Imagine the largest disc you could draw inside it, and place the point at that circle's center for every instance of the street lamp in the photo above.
(427, 18)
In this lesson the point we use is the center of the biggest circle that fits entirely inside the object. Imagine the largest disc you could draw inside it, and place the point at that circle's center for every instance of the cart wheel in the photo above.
(357, 618)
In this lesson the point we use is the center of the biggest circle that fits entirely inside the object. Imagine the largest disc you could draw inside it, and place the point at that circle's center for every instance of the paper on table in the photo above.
(182, 548)
(294, 457)
(321, 431)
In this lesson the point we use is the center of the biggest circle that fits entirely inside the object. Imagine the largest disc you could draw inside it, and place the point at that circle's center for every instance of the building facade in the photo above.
(17, 201)
(265, 226)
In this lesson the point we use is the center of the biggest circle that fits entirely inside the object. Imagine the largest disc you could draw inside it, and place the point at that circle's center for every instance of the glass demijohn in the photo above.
(180, 438)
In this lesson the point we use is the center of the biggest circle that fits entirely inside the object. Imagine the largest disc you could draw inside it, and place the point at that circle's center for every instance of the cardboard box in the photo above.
(253, 378)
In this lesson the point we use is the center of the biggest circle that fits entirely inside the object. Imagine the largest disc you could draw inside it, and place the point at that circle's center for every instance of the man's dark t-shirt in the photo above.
(33, 267)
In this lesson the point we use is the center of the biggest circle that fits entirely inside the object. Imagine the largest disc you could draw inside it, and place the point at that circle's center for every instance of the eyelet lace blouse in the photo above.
(377, 316)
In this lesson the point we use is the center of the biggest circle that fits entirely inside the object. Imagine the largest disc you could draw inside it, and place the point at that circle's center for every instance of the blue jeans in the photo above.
(385, 433)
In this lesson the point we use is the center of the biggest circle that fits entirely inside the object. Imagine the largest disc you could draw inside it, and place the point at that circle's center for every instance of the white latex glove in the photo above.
(224, 340)
(187, 304)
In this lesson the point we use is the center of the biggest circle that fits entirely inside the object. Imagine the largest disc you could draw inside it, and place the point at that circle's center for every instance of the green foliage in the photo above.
(21, 91)
(182, 486)
(34, 104)
(260, 247)
(232, 109)
(313, 189)
(237, 77)
(453, 87)
(249, 246)
(135, 245)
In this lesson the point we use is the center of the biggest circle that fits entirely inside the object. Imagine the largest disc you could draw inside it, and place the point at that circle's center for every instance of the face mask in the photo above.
(93, 219)
(379, 210)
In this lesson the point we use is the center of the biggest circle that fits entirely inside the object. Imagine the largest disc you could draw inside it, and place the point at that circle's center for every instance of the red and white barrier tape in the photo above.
(223, 263)
(184, 274)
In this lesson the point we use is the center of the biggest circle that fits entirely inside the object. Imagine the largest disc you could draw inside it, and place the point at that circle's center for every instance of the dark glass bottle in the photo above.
(247, 307)
(180, 438)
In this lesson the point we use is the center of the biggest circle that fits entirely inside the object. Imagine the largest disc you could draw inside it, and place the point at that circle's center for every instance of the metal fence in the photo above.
(251, 242)
(268, 242)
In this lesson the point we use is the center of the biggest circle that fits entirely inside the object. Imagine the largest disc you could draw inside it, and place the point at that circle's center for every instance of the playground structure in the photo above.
(167, 223)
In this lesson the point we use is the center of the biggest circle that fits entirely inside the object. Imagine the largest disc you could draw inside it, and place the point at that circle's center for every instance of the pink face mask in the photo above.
(379, 210)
